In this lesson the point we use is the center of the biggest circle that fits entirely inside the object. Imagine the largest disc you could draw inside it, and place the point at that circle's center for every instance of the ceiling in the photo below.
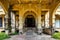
(39, 1)
(44, 3)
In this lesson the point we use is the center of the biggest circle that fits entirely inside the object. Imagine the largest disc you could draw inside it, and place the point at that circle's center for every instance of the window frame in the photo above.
(58, 24)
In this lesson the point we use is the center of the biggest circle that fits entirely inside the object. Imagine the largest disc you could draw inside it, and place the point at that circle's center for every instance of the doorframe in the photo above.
(30, 13)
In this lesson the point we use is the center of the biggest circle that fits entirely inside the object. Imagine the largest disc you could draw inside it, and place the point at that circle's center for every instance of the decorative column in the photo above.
(9, 18)
(39, 24)
(6, 24)
(52, 21)
(20, 25)
(8, 21)
(13, 22)
(47, 20)
(17, 22)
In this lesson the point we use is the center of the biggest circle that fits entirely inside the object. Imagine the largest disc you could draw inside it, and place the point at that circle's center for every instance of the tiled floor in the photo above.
(30, 35)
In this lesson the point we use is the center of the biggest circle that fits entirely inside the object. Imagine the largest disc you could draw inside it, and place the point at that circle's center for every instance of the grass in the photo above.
(3, 36)
(56, 35)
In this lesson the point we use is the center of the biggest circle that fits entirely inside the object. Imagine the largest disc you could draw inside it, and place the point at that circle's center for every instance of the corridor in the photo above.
(30, 35)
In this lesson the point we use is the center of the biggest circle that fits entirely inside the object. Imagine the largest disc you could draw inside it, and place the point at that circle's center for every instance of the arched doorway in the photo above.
(30, 21)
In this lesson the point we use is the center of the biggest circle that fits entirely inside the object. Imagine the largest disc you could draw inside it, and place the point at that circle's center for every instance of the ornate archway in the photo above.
(30, 20)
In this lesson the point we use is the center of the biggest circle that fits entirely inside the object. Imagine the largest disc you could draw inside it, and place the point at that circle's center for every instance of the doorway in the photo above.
(30, 23)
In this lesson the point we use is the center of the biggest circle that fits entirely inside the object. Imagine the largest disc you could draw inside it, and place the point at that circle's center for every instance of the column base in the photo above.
(53, 31)
(20, 31)
(13, 30)
(7, 31)
(40, 31)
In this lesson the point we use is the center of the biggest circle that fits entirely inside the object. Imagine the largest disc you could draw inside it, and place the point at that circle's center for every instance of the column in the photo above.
(13, 22)
(52, 22)
(17, 23)
(47, 20)
(39, 25)
(8, 20)
(20, 25)
(6, 24)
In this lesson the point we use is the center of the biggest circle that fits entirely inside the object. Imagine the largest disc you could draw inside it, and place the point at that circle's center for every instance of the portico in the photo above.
(21, 15)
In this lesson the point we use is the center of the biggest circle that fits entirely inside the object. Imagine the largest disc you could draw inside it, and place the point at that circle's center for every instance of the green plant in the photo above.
(3, 36)
(56, 35)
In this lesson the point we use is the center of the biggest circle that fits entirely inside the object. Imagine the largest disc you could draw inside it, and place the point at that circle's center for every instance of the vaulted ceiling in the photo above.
(44, 3)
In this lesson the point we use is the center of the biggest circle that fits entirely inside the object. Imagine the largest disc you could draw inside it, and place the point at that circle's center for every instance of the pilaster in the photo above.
(13, 22)
(20, 23)
(6, 24)
(39, 22)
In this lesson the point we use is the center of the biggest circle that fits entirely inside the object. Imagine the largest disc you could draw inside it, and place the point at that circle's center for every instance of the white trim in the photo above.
(3, 22)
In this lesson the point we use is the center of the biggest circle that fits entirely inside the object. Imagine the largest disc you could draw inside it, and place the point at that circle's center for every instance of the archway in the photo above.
(56, 18)
(30, 21)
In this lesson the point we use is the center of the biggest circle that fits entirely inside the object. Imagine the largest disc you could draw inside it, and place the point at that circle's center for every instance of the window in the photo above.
(57, 23)
(0, 21)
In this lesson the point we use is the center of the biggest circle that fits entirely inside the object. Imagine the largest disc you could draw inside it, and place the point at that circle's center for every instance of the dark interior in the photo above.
(29, 21)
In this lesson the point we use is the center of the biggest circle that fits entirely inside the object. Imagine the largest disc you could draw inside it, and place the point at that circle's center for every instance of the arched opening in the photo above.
(30, 21)
(56, 18)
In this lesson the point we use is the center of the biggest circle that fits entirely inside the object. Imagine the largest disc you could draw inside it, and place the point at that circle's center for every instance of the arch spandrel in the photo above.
(56, 8)
(22, 12)
(30, 13)
(3, 7)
